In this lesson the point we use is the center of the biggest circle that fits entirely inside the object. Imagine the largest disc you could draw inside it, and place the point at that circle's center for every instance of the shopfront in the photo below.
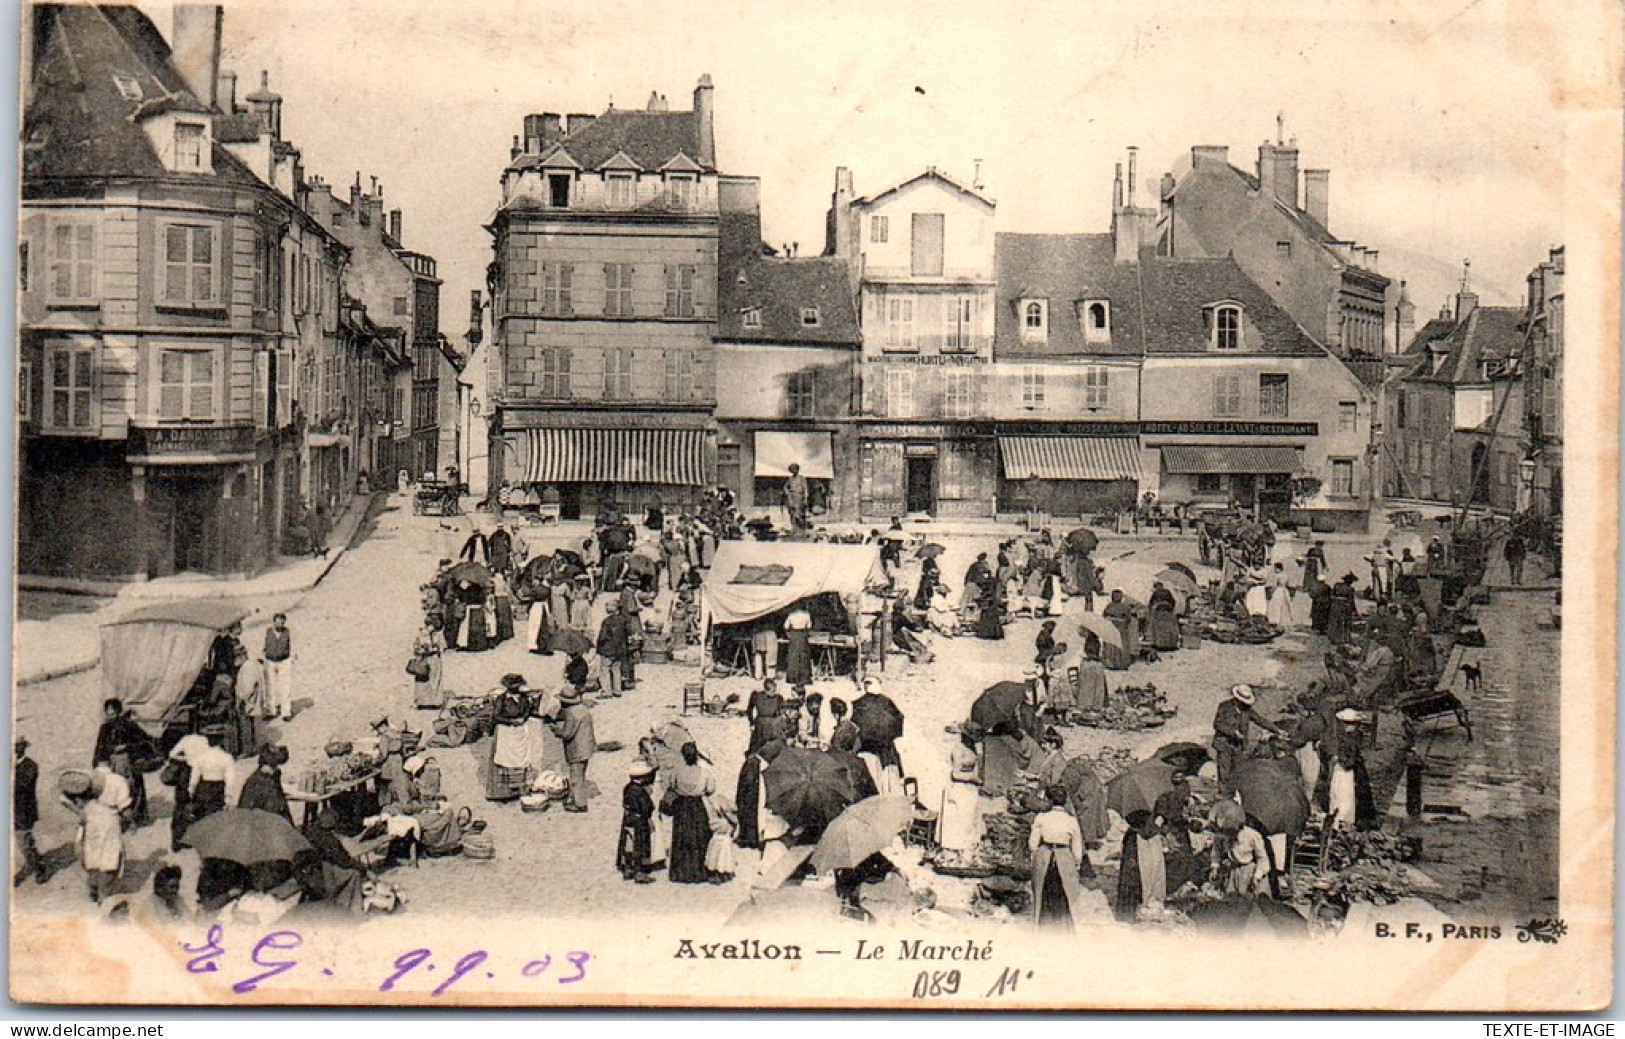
(1068, 475)
(942, 472)
(589, 468)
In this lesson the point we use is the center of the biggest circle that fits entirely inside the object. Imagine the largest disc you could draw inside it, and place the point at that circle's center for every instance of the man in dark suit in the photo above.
(615, 639)
(25, 813)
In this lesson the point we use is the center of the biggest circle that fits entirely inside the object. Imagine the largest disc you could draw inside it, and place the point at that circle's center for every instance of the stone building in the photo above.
(604, 297)
(1457, 410)
(1543, 391)
(787, 347)
(1279, 236)
(164, 281)
(921, 254)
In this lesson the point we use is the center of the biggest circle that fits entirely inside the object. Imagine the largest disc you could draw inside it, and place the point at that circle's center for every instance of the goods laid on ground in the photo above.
(1004, 845)
(1256, 632)
(1353, 847)
(1110, 761)
(334, 773)
(1129, 708)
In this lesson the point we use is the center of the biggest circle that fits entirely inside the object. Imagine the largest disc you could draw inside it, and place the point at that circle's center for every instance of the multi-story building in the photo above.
(401, 292)
(604, 298)
(1280, 239)
(787, 345)
(1543, 394)
(1122, 372)
(921, 253)
(1456, 412)
(163, 284)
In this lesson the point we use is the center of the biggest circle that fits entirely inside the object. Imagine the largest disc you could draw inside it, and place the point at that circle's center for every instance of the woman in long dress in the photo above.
(1142, 871)
(1091, 681)
(581, 604)
(1340, 614)
(1278, 611)
(427, 688)
(691, 784)
(1121, 614)
(1350, 800)
(764, 651)
(501, 608)
(959, 827)
(513, 750)
(1057, 848)
(1162, 623)
(798, 653)
(990, 618)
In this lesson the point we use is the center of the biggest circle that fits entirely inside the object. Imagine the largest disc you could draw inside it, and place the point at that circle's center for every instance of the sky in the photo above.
(1442, 123)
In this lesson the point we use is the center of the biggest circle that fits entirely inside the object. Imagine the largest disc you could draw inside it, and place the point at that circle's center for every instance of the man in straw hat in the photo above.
(575, 730)
(1233, 731)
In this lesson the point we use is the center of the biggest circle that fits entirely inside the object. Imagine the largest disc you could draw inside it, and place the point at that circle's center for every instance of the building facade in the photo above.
(787, 348)
(161, 417)
(1278, 235)
(1457, 410)
(604, 298)
(1543, 390)
(922, 256)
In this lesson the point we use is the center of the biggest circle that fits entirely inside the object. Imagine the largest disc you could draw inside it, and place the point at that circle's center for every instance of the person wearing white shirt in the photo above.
(211, 770)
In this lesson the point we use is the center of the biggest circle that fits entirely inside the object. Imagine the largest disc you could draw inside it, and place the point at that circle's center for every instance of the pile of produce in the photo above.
(1255, 632)
(1352, 847)
(334, 772)
(1129, 709)
(1001, 892)
(1004, 845)
(1110, 762)
(1381, 883)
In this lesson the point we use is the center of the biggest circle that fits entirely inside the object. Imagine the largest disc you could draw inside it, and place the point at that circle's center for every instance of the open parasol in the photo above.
(877, 717)
(1138, 788)
(245, 836)
(807, 787)
(1178, 582)
(862, 830)
(1004, 705)
(930, 550)
(1082, 540)
(1181, 568)
(1271, 792)
(470, 572)
(1104, 629)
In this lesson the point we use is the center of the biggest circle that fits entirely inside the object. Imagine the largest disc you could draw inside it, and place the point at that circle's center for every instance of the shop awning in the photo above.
(1201, 459)
(666, 456)
(776, 451)
(1070, 458)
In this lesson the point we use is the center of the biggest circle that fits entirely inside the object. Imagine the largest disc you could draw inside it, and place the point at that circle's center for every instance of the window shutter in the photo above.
(84, 260)
(172, 388)
(175, 267)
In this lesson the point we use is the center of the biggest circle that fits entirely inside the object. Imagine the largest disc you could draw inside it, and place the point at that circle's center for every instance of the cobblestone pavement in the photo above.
(353, 633)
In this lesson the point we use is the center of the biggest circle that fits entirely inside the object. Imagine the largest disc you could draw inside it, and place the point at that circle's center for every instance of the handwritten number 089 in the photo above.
(935, 983)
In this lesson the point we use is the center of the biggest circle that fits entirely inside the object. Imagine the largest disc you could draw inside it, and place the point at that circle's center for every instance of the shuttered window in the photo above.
(1226, 396)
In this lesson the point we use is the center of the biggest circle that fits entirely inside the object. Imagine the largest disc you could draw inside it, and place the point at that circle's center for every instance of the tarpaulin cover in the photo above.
(151, 657)
(815, 568)
(776, 451)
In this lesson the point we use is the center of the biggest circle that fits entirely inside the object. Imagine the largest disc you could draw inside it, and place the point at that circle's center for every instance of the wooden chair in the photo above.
(693, 696)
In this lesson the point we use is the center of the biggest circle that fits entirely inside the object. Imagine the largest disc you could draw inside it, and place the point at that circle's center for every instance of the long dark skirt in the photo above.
(504, 615)
(990, 623)
(798, 658)
(690, 835)
(1054, 910)
(208, 798)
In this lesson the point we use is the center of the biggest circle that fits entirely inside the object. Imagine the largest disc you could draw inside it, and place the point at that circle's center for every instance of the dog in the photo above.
(1475, 676)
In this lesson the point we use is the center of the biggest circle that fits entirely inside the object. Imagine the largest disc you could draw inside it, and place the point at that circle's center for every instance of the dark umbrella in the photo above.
(807, 787)
(1187, 757)
(245, 836)
(1263, 918)
(564, 556)
(930, 551)
(1182, 568)
(876, 717)
(571, 641)
(470, 572)
(1082, 540)
(1005, 704)
(1271, 792)
(1138, 788)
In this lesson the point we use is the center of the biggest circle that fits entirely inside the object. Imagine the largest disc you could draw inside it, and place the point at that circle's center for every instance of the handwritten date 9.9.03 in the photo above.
(278, 952)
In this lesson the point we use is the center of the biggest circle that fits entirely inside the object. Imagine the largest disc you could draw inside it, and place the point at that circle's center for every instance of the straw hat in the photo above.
(1243, 694)
(1350, 715)
(414, 764)
(639, 769)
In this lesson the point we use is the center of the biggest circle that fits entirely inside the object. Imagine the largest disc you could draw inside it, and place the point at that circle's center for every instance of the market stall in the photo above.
(752, 581)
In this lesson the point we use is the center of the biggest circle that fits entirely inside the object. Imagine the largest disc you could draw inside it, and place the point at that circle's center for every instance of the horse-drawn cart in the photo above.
(437, 499)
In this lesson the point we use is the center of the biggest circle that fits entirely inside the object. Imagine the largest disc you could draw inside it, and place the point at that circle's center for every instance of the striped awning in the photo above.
(666, 456)
(1070, 458)
(1200, 459)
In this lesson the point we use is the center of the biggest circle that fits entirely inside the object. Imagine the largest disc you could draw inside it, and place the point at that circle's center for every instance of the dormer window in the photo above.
(189, 145)
(619, 190)
(809, 317)
(1034, 319)
(558, 190)
(1097, 321)
(680, 188)
(1438, 359)
(1225, 326)
(752, 317)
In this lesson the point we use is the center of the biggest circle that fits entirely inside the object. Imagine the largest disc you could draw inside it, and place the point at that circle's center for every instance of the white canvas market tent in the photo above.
(800, 570)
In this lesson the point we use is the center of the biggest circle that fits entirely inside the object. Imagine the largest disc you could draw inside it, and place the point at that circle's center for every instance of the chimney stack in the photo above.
(578, 121)
(1317, 195)
(225, 94)
(268, 106)
(395, 224)
(1404, 320)
(1278, 171)
(1117, 189)
(1132, 227)
(194, 46)
(704, 118)
(1133, 166)
(476, 318)
(657, 101)
(841, 235)
(1218, 154)
(1466, 299)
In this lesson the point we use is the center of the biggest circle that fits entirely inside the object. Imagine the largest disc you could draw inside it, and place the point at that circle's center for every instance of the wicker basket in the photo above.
(479, 846)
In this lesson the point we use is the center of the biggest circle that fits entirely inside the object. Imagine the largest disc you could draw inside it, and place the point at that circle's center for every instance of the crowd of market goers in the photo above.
(810, 760)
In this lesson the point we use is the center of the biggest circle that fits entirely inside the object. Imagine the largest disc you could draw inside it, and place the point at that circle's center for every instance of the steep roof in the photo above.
(931, 173)
(1064, 269)
(779, 289)
(1177, 293)
(1312, 227)
(80, 124)
(1487, 334)
(650, 139)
